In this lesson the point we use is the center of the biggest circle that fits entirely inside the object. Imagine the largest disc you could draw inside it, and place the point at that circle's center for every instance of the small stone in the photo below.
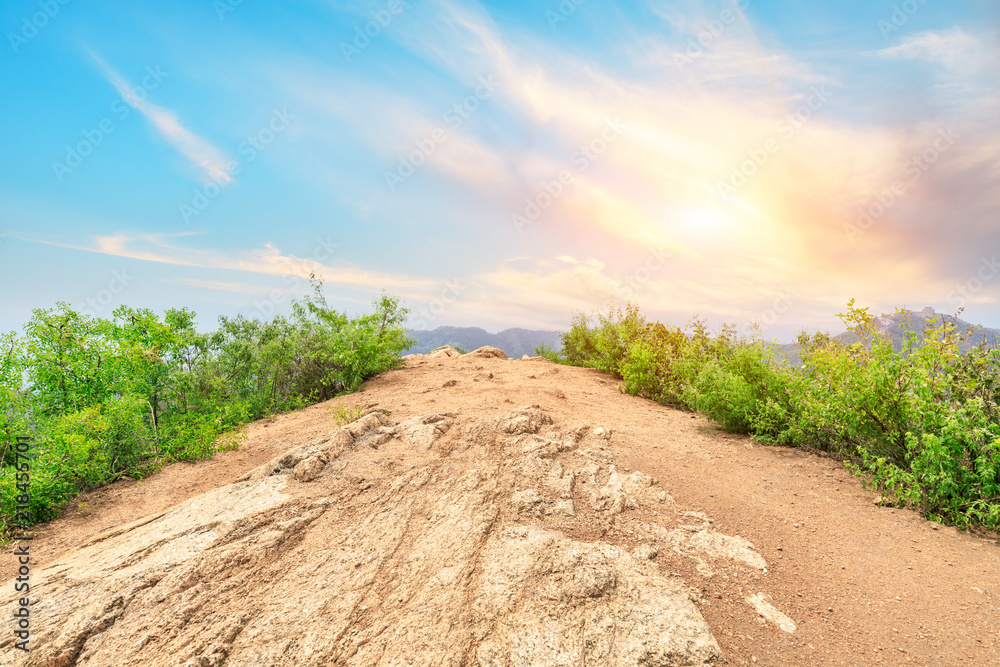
(308, 469)
(644, 552)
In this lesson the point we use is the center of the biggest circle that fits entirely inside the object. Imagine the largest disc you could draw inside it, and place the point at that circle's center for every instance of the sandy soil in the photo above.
(865, 585)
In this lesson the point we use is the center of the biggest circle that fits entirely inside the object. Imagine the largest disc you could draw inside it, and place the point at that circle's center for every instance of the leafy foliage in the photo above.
(547, 351)
(921, 424)
(105, 398)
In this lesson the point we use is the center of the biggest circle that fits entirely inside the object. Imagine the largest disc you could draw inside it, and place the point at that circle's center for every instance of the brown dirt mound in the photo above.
(458, 529)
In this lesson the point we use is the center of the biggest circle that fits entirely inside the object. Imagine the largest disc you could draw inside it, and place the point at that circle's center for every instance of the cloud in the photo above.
(694, 119)
(268, 260)
(690, 128)
(948, 47)
(200, 152)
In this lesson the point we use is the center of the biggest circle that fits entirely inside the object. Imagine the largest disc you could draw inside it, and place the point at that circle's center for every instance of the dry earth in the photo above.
(464, 527)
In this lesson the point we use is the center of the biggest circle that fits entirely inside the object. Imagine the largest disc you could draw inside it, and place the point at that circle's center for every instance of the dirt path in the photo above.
(865, 585)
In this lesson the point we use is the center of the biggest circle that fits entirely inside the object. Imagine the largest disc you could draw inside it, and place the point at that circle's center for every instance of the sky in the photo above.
(502, 164)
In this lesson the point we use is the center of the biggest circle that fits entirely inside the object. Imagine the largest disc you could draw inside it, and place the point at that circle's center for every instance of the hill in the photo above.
(514, 342)
(897, 325)
(489, 512)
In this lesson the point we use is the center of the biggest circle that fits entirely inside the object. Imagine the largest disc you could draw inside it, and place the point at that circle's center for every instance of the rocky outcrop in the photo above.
(434, 540)
(445, 351)
(488, 352)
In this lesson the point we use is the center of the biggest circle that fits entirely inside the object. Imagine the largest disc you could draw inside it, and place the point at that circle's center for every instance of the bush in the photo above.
(741, 389)
(547, 351)
(104, 398)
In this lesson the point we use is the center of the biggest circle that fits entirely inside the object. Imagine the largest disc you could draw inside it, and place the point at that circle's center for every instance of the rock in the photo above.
(526, 420)
(697, 541)
(340, 441)
(762, 603)
(423, 432)
(718, 545)
(564, 507)
(644, 552)
(448, 558)
(488, 352)
(612, 496)
(365, 424)
(527, 500)
(308, 469)
(443, 351)
(623, 492)
(560, 481)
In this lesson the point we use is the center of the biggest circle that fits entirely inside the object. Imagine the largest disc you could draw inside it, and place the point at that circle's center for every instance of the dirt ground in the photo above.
(865, 585)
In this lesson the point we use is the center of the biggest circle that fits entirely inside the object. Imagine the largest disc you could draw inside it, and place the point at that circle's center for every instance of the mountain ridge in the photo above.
(514, 341)
(897, 325)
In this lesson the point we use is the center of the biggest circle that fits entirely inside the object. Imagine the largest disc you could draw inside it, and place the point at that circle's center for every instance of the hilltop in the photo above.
(484, 511)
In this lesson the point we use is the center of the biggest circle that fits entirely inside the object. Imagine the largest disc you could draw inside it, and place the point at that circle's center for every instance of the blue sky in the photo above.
(742, 161)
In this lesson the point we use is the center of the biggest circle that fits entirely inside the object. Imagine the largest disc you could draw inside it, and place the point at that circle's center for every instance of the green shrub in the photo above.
(741, 389)
(922, 424)
(104, 398)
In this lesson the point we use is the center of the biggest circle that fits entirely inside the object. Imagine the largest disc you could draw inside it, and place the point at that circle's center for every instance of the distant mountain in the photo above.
(916, 321)
(515, 342)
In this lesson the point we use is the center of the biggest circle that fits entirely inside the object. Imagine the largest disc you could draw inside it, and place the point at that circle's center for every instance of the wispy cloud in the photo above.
(269, 260)
(200, 152)
(947, 47)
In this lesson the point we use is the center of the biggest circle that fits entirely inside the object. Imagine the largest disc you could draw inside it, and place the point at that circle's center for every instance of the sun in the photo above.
(703, 221)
